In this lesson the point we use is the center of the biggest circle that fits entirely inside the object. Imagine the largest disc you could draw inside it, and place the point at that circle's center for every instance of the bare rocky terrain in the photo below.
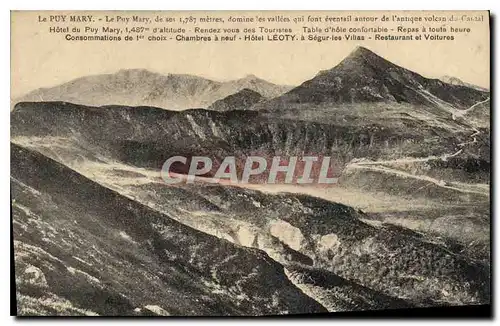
(98, 232)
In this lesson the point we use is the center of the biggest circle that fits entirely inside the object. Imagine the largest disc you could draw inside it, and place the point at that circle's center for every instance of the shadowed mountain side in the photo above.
(158, 134)
(393, 261)
(243, 100)
(338, 294)
(81, 248)
(360, 188)
(363, 76)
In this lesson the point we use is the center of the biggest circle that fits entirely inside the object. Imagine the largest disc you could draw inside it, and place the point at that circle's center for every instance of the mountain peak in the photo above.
(363, 55)
(135, 71)
(250, 77)
(360, 50)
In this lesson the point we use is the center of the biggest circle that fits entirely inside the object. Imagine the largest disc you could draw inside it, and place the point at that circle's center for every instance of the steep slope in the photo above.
(363, 76)
(141, 87)
(147, 136)
(242, 100)
(123, 148)
(338, 294)
(35, 210)
(82, 249)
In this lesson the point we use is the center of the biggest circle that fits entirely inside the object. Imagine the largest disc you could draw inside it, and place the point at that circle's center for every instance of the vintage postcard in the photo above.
(249, 163)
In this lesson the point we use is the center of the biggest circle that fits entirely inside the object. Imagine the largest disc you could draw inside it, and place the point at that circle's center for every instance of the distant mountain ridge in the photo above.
(364, 76)
(140, 87)
(457, 81)
(242, 100)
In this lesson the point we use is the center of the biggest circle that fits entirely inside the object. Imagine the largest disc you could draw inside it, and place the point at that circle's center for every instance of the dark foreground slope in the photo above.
(82, 249)
(58, 236)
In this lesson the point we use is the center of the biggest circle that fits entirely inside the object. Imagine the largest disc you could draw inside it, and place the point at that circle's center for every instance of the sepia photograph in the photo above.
(250, 163)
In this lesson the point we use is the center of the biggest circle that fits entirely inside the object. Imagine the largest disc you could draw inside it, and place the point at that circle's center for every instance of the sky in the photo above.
(43, 59)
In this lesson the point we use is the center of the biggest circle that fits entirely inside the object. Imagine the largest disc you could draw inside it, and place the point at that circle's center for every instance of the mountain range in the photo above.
(363, 76)
(143, 87)
(97, 231)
